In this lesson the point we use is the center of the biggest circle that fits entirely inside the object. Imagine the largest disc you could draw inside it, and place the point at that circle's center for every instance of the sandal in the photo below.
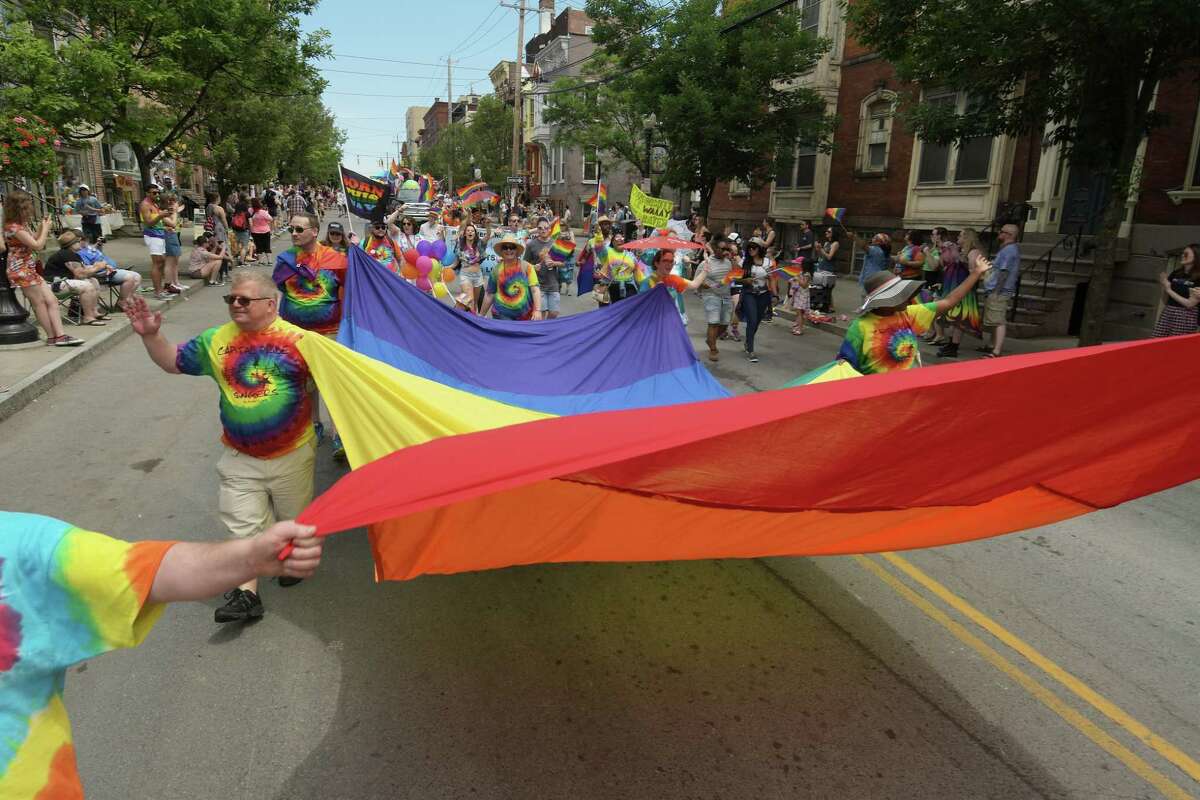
(797, 331)
(95, 323)
(983, 349)
(990, 354)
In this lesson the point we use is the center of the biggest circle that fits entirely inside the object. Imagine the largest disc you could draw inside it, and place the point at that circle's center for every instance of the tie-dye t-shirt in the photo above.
(385, 251)
(66, 595)
(263, 378)
(882, 344)
(311, 284)
(513, 290)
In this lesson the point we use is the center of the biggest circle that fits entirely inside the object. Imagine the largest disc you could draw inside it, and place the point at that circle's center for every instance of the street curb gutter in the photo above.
(25, 391)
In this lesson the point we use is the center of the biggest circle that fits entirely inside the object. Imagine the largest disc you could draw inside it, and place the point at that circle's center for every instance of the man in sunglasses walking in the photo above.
(266, 470)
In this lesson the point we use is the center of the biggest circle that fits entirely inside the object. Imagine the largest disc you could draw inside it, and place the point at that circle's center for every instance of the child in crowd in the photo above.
(800, 301)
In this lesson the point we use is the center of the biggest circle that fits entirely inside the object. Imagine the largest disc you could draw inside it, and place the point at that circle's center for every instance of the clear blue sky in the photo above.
(370, 98)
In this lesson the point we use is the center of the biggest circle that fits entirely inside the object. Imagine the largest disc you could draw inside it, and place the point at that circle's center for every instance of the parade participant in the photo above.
(755, 295)
(470, 274)
(735, 293)
(537, 253)
(955, 268)
(878, 253)
(154, 235)
(335, 237)
(89, 209)
(884, 337)
(266, 470)
(512, 288)
(714, 290)
(616, 269)
(262, 224)
(70, 594)
(931, 275)
(566, 269)
(67, 273)
(406, 237)
(310, 277)
(1182, 289)
(431, 229)
(382, 247)
(22, 244)
(911, 259)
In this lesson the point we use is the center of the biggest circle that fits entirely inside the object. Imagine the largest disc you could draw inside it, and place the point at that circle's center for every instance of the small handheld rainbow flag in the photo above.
(556, 228)
(480, 196)
(792, 270)
(836, 214)
(600, 199)
(471, 187)
(561, 250)
(426, 184)
(735, 274)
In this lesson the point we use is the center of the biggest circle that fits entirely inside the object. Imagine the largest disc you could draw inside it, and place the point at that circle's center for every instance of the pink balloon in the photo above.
(424, 284)
(424, 265)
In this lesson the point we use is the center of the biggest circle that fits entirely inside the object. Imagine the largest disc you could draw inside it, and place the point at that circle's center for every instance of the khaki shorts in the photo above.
(995, 310)
(258, 492)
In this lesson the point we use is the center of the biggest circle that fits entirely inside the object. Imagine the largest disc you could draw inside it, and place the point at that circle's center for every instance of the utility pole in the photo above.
(396, 141)
(450, 122)
(518, 109)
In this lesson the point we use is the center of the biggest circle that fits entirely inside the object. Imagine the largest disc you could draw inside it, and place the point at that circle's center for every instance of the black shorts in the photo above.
(262, 242)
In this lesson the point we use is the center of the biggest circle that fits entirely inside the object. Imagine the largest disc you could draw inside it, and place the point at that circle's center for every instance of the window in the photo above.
(875, 130)
(966, 161)
(738, 188)
(783, 168)
(587, 30)
(806, 167)
(591, 166)
(810, 16)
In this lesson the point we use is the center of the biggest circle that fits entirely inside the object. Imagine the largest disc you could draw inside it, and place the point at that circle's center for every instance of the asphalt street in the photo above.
(1058, 662)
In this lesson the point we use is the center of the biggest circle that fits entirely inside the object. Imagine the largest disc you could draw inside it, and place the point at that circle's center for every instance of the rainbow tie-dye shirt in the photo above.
(66, 595)
(265, 407)
(882, 344)
(311, 284)
(512, 288)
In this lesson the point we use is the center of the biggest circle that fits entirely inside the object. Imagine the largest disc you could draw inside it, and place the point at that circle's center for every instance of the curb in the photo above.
(29, 389)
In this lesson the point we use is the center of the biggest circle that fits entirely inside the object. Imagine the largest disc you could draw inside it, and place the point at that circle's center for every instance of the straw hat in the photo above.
(68, 238)
(895, 292)
(508, 239)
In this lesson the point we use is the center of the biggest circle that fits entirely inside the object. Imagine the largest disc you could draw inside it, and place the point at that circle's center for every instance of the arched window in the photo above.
(875, 131)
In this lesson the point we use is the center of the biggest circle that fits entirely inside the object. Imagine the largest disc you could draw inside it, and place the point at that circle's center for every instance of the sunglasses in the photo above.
(297, 229)
(508, 247)
(241, 301)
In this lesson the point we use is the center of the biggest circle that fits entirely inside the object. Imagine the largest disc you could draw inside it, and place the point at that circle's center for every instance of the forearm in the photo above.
(199, 570)
(956, 296)
(537, 299)
(161, 352)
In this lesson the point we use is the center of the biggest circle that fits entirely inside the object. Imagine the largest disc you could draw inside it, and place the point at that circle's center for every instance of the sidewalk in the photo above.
(847, 297)
(29, 370)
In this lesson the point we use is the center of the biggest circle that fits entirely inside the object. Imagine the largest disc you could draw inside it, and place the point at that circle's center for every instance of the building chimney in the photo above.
(545, 15)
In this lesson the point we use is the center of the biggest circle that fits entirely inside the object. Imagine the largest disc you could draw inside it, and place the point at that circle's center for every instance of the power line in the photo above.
(376, 94)
(380, 74)
(469, 40)
(400, 61)
(496, 43)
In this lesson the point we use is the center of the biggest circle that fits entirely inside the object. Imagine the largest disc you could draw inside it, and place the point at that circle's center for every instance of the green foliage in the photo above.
(723, 95)
(153, 73)
(450, 152)
(27, 145)
(487, 138)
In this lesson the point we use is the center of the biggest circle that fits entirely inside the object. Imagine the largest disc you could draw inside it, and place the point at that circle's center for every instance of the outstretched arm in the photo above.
(146, 323)
(199, 570)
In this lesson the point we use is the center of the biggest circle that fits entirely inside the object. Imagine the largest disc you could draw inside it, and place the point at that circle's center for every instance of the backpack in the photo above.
(239, 220)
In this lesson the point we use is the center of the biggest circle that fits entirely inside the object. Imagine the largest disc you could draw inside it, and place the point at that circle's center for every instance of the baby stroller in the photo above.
(820, 293)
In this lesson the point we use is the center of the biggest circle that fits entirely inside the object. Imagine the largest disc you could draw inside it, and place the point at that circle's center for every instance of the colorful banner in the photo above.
(653, 484)
(365, 197)
(652, 211)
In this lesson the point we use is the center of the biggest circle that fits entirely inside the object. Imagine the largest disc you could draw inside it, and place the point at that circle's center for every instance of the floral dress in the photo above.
(22, 264)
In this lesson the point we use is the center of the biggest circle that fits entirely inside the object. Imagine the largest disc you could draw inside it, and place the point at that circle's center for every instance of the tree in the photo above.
(722, 87)
(452, 149)
(1065, 67)
(151, 73)
(489, 137)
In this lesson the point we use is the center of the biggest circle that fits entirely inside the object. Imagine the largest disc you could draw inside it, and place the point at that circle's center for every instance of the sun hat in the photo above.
(508, 239)
(894, 292)
(603, 218)
(83, 186)
(68, 238)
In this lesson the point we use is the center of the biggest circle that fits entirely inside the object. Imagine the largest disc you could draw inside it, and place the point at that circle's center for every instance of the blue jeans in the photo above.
(753, 309)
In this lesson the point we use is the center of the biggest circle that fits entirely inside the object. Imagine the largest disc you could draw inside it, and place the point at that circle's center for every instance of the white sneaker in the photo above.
(179, 288)
(163, 296)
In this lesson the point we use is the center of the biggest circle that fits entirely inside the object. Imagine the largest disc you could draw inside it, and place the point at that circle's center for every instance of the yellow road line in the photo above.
(1076, 686)
(1081, 723)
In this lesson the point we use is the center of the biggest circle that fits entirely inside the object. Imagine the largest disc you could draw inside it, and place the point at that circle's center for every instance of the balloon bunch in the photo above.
(423, 266)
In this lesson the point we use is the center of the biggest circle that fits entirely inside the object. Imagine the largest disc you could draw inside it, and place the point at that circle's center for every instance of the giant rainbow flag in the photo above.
(1036, 439)
(635, 354)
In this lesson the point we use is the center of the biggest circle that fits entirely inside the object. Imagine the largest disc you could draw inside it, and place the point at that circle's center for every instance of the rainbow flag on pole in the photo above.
(791, 270)
(426, 184)
(471, 187)
(836, 214)
(600, 199)
(480, 196)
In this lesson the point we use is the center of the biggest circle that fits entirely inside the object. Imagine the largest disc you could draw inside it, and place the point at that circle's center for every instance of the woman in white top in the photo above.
(756, 293)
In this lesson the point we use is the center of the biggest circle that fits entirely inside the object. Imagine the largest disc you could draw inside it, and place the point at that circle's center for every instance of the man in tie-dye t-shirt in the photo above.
(310, 277)
(67, 595)
(266, 411)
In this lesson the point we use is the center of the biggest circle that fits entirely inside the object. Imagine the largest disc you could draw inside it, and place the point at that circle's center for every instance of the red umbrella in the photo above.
(661, 243)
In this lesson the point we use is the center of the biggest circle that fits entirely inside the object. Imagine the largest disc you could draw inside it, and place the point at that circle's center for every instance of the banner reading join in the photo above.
(364, 197)
(652, 211)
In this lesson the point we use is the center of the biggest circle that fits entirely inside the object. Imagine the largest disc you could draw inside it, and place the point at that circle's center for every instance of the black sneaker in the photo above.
(241, 606)
(285, 581)
(948, 350)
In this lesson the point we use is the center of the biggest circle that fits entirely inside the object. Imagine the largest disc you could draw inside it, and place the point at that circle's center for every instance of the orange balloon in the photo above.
(409, 271)
(448, 275)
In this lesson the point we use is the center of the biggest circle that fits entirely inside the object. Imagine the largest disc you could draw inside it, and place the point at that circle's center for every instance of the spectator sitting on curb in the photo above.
(71, 594)
(127, 281)
(206, 259)
(67, 273)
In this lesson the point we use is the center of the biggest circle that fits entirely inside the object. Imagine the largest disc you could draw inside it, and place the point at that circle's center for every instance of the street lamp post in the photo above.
(648, 126)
